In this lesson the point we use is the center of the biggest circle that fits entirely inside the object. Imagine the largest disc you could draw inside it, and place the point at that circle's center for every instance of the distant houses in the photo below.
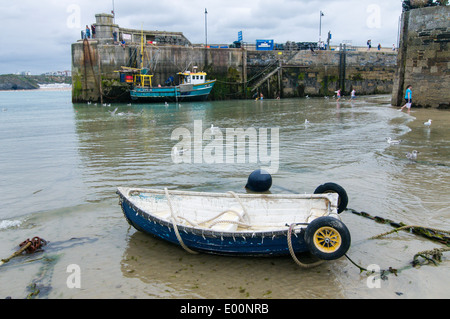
(51, 73)
(59, 73)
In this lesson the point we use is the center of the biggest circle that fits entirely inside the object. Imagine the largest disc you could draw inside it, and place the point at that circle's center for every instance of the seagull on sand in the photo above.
(427, 123)
(307, 122)
(412, 156)
(391, 141)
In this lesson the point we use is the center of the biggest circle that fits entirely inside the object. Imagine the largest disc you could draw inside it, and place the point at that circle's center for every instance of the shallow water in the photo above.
(61, 164)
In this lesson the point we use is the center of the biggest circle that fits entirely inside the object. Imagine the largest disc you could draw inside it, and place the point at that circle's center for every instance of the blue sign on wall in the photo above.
(264, 45)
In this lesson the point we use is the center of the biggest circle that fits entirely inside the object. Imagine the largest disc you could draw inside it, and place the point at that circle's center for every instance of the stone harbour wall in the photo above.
(240, 72)
(424, 58)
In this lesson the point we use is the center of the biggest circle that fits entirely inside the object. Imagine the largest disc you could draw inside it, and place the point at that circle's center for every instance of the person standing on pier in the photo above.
(88, 32)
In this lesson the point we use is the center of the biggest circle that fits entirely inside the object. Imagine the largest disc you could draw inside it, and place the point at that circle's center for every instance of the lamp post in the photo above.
(206, 29)
(114, 13)
(320, 26)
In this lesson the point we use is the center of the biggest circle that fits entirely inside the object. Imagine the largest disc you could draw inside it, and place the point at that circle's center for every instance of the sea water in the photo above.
(61, 163)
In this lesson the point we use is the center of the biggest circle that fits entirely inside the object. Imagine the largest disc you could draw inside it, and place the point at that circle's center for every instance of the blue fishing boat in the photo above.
(240, 224)
(193, 87)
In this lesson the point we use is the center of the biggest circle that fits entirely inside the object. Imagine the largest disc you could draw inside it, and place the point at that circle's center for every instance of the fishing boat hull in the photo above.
(184, 92)
(275, 238)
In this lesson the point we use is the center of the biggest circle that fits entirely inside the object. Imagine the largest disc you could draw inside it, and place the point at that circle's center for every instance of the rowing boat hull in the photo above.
(268, 244)
(248, 242)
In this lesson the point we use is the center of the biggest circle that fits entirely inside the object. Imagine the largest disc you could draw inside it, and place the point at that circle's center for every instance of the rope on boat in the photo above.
(242, 205)
(174, 223)
(242, 224)
(291, 251)
(174, 219)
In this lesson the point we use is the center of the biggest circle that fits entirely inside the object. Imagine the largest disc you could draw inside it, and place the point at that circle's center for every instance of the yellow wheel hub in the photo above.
(327, 239)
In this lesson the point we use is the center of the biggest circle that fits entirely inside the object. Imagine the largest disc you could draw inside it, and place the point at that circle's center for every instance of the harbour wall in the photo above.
(424, 58)
(240, 72)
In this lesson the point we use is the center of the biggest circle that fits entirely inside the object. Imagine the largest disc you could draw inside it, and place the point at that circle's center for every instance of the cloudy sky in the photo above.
(37, 35)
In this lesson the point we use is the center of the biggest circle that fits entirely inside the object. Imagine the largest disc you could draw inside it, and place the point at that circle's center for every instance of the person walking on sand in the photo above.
(338, 95)
(408, 99)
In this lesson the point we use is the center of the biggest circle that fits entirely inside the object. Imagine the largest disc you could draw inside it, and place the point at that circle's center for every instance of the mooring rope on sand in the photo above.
(427, 232)
(433, 255)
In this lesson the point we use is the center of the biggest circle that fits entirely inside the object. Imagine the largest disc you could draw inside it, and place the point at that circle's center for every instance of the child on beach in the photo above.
(338, 95)
(408, 98)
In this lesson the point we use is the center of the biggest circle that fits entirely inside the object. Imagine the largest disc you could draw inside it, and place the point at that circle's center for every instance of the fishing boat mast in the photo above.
(143, 79)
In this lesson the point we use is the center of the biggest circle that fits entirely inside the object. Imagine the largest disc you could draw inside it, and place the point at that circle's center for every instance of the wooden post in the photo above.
(100, 89)
(279, 79)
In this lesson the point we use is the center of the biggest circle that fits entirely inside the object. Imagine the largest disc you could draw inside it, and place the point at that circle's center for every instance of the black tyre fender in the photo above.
(327, 238)
(334, 188)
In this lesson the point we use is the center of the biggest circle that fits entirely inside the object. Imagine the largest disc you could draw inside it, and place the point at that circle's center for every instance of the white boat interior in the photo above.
(232, 212)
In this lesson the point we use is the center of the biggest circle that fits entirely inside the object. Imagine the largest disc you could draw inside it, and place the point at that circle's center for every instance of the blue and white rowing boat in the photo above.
(240, 224)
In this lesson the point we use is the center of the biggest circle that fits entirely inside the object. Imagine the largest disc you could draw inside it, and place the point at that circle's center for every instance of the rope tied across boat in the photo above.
(175, 219)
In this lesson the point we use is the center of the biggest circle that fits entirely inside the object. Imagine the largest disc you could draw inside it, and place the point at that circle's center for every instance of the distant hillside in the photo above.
(29, 82)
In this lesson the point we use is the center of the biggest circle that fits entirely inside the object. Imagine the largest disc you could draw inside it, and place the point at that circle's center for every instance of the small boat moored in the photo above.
(241, 224)
(193, 87)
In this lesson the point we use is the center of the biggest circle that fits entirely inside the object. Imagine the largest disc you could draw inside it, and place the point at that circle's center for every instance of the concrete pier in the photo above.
(240, 72)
